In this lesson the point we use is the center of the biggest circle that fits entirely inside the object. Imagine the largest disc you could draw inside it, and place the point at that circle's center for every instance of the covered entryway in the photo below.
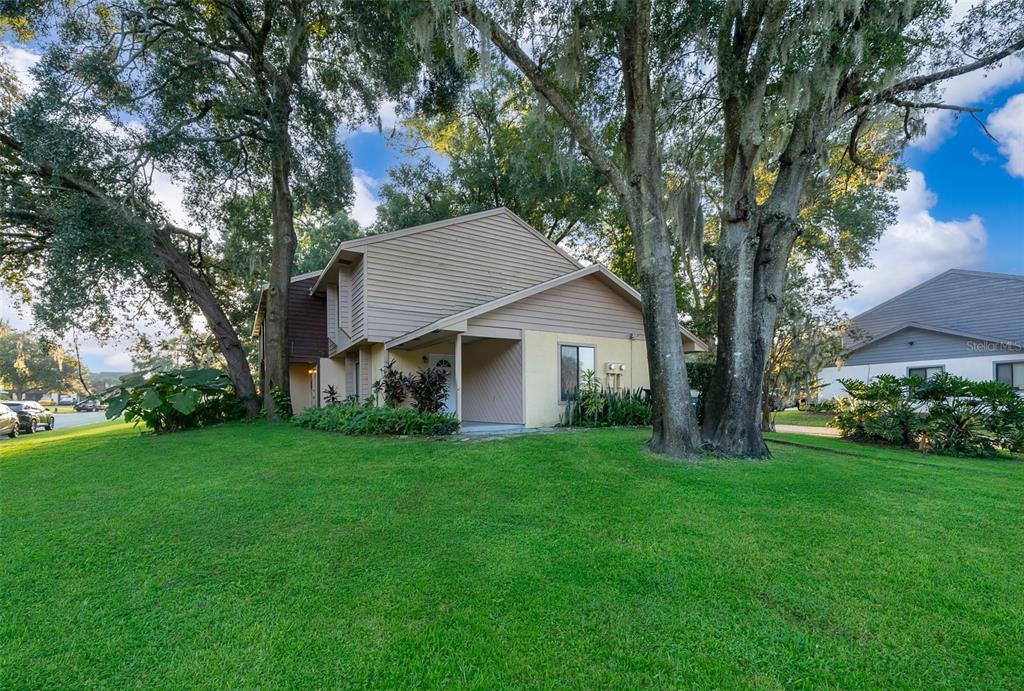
(492, 380)
(485, 373)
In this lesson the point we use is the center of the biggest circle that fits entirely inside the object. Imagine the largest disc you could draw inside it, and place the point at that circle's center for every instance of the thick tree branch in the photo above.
(921, 81)
(546, 87)
(76, 184)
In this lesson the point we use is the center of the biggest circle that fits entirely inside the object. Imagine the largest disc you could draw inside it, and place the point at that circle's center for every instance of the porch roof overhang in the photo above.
(459, 323)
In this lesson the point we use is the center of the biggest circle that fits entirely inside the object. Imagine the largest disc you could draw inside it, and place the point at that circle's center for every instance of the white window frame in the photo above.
(941, 368)
(558, 355)
(1010, 364)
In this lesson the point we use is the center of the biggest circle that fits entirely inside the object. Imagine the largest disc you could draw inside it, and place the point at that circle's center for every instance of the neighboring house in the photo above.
(513, 318)
(967, 323)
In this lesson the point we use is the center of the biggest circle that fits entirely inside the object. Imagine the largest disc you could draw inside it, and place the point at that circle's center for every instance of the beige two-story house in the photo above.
(511, 316)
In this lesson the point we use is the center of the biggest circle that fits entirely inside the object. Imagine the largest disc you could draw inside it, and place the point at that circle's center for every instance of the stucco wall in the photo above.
(300, 386)
(977, 368)
(541, 375)
(332, 373)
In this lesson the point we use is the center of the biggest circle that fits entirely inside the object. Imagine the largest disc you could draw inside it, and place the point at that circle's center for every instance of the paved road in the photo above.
(65, 420)
(62, 420)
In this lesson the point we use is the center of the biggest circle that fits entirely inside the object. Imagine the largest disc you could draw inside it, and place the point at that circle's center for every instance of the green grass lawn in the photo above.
(254, 555)
(801, 417)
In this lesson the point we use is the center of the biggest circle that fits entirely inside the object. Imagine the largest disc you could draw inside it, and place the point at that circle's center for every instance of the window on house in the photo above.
(1012, 373)
(925, 372)
(573, 362)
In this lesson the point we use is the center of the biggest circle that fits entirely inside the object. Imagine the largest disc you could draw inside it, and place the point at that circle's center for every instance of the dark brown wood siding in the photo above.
(307, 323)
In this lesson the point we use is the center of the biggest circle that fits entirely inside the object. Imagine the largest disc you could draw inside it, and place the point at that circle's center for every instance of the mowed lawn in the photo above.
(257, 555)
(802, 417)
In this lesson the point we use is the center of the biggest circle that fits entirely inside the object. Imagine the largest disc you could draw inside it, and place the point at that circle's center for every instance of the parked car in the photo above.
(31, 415)
(66, 400)
(9, 422)
(89, 405)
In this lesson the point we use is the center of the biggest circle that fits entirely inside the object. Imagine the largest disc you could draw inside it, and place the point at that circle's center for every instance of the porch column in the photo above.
(387, 356)
(458, 376)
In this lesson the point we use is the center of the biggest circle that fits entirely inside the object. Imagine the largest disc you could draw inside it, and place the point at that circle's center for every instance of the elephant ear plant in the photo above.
(172, 400)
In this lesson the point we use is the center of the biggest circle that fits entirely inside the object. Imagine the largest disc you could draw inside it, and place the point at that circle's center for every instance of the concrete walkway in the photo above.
(806, 429)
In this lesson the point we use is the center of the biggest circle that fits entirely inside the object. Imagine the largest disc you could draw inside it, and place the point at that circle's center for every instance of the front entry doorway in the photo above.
(446, 363)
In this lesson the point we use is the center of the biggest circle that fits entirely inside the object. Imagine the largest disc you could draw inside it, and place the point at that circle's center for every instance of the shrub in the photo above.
(603, 408)
(945, 414)
(282, 402)
(174, 399)
(371, 419)
(882, 410)
(429, 389)
(393, 385)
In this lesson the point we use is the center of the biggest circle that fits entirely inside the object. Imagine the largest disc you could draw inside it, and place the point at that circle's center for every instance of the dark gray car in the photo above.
(9, 422)
(31, 415)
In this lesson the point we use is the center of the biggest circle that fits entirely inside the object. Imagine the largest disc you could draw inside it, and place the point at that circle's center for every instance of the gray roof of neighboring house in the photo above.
(957, 304)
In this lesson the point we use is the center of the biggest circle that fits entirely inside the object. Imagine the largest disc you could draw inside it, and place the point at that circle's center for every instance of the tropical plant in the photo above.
(370, 419)
(945, 414)
(429, 389)
(393, 385)
(606, 408)
(172, 400)
(331, 395)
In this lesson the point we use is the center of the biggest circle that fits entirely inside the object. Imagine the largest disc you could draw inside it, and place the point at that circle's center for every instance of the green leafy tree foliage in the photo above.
(236, 99)
(500, 149)
(790, 83)
(796, 81)
(317, 241)
(32, 364)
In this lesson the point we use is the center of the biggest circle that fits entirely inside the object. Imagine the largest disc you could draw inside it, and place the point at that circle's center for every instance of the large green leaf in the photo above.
(116, 404)
(197, 377)
(151, 400)
(185, 401)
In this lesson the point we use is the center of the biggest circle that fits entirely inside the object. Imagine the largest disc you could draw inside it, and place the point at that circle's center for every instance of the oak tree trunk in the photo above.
(227, 339)
(675, 431)
(276, 347)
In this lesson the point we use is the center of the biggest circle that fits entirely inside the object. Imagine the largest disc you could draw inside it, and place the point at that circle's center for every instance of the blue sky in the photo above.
(963, 207)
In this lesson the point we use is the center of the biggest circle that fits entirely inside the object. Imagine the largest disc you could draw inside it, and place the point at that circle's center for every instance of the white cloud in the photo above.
(388, 118)
(171, 195)
(1007, 125)
(21, 61)
(364, 208)
(14, 311)
(917, 247)
(965, 90)
(118, 362)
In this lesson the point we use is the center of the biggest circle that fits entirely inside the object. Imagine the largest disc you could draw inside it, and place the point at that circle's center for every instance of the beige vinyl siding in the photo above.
(350, 374)
(366, 371)
(492, 381)
(358, 319)
(416, 279)
(332, 318)
(583, 306)
(345, 300)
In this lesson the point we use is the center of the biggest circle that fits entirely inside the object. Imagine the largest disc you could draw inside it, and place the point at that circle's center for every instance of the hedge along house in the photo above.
(511, 317)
